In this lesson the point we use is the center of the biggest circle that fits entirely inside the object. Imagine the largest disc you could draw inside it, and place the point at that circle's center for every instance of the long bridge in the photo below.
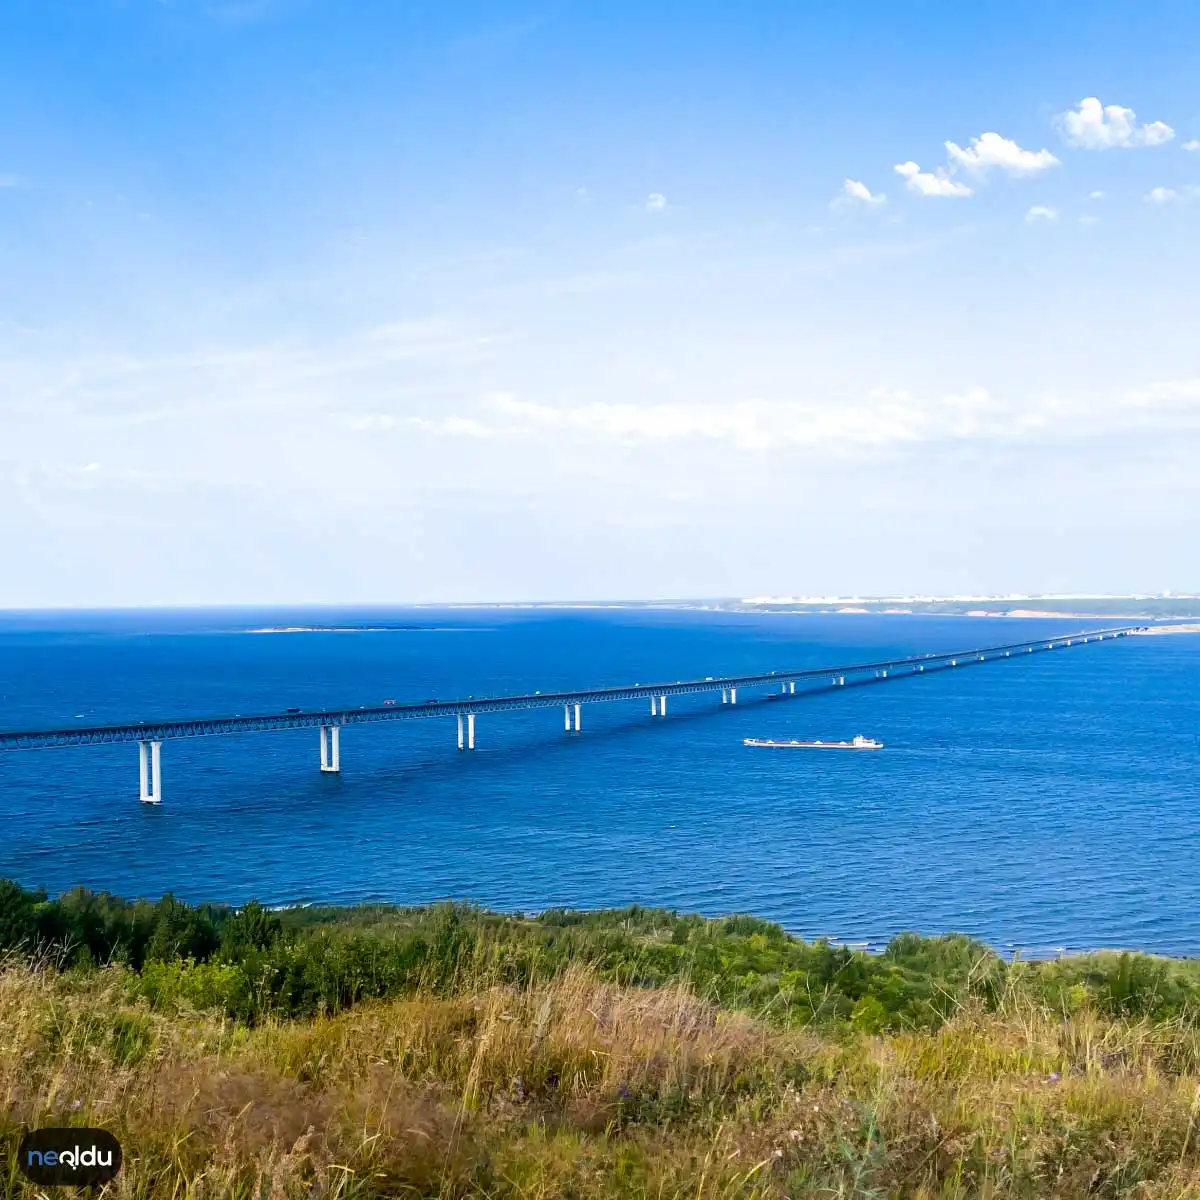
(151, 734)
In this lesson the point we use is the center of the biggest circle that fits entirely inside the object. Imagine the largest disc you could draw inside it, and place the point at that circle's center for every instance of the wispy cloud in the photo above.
(1166, 195)
(936, 183)
(656, 202)
(1095, 126)
(991, 150)
(856, 193)
(1041, 212)
(1177, 394)
(887, 418)
(122, 388)
(1194, 144)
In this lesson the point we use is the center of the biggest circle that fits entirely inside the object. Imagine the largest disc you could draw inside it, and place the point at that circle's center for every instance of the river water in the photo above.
(1044, 802)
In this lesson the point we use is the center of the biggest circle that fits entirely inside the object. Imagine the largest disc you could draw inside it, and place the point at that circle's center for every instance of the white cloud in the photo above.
(1040, 212)
(1177, 394)
(927, 183)
(991, 150)
(1166, 195)
(887, 418)
(656, 202)
(1095, 195)
(1101, 127)
(855, 192)
(1194, 144)
(453, 427)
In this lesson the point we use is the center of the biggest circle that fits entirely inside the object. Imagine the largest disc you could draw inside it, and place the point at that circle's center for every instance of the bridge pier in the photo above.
(331, 761)
(654, 706)
(567, 717)
(662, 706)
(724, 695)
(577, 722)
(791, 687)
(470, 743)
(733, 695)
(150, 772)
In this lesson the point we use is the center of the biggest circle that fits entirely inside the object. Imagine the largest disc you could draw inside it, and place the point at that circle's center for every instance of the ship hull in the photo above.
(813, 745)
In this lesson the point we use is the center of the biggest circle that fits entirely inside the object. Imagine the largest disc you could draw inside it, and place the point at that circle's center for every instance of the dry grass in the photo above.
(579, 1089)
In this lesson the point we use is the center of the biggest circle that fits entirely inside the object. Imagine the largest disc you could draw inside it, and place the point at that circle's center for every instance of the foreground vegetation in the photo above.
(453, 1053)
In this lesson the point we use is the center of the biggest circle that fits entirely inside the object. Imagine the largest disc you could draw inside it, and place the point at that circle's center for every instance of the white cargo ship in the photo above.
(858, 743)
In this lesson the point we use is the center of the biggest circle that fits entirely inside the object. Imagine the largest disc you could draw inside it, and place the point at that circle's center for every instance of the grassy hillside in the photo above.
(454, 1053)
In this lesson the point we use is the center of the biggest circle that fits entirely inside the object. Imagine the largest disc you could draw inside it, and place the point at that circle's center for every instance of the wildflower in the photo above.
(1053, 1076)
(623, 1093)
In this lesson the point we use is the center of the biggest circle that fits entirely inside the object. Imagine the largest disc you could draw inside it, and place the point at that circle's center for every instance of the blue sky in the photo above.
(380, 301)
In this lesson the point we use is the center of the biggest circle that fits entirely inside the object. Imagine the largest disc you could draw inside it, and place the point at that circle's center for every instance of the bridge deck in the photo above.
(850, 674)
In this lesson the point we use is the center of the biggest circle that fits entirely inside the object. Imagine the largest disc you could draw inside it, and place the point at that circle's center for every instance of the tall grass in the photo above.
(573, 1086)
(455, 1054)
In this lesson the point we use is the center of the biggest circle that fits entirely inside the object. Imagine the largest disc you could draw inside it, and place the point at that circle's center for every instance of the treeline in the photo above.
(252, 963)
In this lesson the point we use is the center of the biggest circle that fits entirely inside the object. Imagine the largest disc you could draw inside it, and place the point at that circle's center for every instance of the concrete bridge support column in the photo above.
(331, 762)
(150, 772)
(733, 695)
(470, 731)
(567, 717)
(460, 731)
(577, 718)
(662, 706)
(791, 687)
(724, 695)
(654, 706)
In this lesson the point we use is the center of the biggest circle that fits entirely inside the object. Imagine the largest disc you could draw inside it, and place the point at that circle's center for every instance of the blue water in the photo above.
(1042, 802)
